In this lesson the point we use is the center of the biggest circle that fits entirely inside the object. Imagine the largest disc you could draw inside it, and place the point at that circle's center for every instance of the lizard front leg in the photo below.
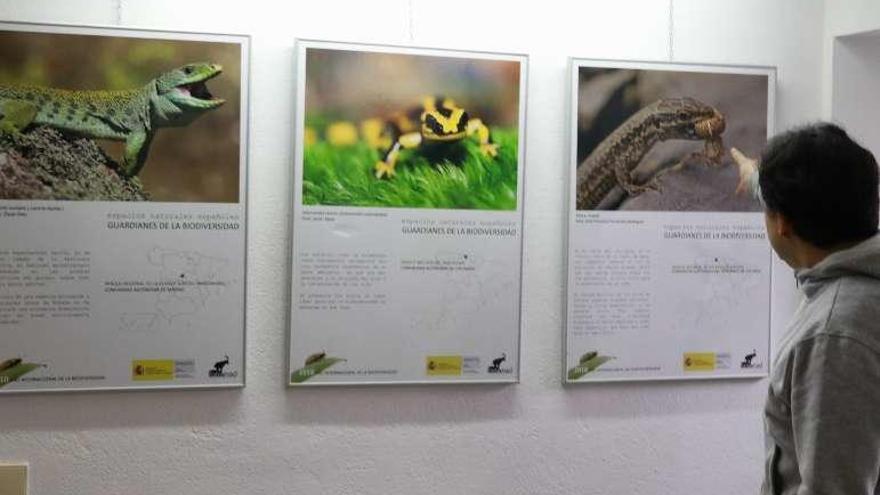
(618, 193)
(15, 115)
(385, 168)
(137, 145)
(625, 180)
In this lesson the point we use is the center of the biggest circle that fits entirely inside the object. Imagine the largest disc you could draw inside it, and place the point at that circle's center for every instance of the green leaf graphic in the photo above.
(10, 375)
(313, 369)
(588, 356)
(587, 364)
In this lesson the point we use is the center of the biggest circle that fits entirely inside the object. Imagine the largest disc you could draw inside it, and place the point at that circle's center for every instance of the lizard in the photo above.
(173, 99)
(612, 162)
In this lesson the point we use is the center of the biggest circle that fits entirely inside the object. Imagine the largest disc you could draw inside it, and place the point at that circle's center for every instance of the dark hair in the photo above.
(823, 182)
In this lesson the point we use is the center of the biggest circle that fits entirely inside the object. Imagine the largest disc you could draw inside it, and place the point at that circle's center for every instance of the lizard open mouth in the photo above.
(194, 86)
(200, 90)
(197, 90)
(197, 95)
(182, 94)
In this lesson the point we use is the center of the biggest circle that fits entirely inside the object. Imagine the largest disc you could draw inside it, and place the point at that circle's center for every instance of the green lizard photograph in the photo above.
(400, 130)
(102, 118)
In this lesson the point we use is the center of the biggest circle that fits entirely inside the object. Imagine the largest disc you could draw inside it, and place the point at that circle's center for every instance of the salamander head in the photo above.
(687, 118)
(181, 94)
(443, 120)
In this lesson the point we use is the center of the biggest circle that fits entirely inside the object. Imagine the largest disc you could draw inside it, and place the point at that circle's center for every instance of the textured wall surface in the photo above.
(535, 437)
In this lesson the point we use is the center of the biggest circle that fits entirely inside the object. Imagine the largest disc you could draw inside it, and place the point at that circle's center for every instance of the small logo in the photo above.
(443, 365)
(748, 361)
(314, 358)
(699, 361)
(470, 365)
(184, 368)
(13, 369)
(218, 371)
(150, 370)
(314, 365)
(588, 362)
(495, 367)
(10, 363)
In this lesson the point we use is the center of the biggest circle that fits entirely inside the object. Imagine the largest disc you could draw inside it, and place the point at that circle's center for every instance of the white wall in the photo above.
(843, 18)
(535, 437)
(856, 77)
(851, 73)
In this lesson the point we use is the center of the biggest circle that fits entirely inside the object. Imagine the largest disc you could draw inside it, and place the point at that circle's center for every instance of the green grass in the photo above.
(344, 176)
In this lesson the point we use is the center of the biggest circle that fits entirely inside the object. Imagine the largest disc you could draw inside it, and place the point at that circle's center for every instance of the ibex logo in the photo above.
(749, 361)
(219, 367)
(495, 367)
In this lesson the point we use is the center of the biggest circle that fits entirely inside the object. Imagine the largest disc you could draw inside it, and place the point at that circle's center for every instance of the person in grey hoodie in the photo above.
(822, 415)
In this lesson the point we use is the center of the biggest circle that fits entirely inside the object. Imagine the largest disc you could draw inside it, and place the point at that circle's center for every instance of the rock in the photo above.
(43, 163)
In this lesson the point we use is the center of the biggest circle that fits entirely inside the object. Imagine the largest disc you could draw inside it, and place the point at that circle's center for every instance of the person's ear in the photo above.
(783, 226)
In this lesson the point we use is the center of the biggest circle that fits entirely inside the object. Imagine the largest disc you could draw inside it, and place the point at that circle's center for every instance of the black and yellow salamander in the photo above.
(437, 123)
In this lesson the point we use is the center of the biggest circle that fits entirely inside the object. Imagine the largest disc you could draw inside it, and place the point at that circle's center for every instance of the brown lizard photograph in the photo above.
(658, 140)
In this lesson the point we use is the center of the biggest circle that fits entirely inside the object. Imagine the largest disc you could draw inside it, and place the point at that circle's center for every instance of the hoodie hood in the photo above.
(861, 260)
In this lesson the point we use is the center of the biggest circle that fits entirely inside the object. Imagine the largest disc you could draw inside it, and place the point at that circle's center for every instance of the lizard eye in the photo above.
(187, 70)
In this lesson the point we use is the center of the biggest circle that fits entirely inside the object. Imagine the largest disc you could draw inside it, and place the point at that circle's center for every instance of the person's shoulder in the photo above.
(855, 311)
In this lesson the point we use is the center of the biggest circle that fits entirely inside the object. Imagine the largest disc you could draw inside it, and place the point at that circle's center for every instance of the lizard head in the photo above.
(687, 118)
(181, 94)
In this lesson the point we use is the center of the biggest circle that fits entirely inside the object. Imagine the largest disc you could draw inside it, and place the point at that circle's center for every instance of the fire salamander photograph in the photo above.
(660, 140)
(403, 130)
(113, 118)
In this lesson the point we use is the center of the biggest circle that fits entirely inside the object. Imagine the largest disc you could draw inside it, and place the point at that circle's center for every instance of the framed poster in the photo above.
(668, 264)
(407, 215)
(123, 182)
